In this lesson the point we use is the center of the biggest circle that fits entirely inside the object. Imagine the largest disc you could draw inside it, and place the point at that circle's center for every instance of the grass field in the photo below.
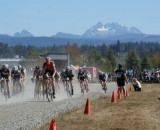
(138, 111)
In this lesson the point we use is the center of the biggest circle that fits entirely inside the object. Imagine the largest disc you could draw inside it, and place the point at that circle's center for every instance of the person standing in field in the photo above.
(136, 85)
(121, 78)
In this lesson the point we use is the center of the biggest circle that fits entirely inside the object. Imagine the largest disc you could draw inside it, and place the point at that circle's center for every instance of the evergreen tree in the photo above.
(145, 63)
(133, 61)
(112, 58)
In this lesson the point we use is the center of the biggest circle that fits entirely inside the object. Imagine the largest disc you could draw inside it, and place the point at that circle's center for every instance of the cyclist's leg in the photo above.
(13, 91)
(105, 85)
(44, 84)
(1, 87)
(7, 82)
(37, 88)
(86, 85)
(20, 83)
(101, 82)
(81, 85)
(53, 88)
(71, 84)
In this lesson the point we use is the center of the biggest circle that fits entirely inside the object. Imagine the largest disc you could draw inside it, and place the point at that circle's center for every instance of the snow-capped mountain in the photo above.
(110, 29)
(24, 33)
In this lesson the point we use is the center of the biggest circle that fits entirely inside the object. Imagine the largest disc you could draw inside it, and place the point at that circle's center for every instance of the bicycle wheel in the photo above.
(49, 93)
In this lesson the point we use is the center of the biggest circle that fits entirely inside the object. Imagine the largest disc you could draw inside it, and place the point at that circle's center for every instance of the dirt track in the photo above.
(27, 113)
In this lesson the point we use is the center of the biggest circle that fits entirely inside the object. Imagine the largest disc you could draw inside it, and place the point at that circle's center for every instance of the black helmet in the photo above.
(67, 68)
(37, 67)
(119, 66)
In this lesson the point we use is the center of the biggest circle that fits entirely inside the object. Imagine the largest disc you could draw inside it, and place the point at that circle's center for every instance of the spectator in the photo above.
(136, 84)
(121, 78)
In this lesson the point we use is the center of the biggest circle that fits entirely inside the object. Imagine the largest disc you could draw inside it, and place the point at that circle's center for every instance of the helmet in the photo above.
(5, 66)
(19, 66)
(119, 66)
(37, 67)
(47, 58)
(80, 69)
(15, 68)
(67, 68)
(40, 69)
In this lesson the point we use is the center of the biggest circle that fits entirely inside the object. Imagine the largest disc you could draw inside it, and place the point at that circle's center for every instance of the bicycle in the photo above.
(38, 87)
(5, 89)
(68, 87)
(48, 88)
(104, 85)
(84, 86)
(17, 87)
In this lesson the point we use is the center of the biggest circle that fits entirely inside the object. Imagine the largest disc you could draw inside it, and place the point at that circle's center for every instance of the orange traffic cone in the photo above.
(52, 125)
(87, 110)
(130, 89)
(127, 94)
(119, 94)
(113, 99)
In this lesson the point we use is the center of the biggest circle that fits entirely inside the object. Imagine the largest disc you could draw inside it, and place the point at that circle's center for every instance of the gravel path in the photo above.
(27, 113)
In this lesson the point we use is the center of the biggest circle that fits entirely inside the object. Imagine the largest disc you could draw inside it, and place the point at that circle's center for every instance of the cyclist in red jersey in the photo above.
(49, 69)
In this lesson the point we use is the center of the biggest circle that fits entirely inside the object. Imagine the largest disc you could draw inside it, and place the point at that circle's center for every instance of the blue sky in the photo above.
(47, 17)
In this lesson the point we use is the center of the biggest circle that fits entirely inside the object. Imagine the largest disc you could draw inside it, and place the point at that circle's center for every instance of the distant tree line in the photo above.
(140, 55)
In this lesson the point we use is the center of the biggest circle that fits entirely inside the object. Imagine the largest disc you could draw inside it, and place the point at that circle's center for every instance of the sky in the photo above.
(47, 17)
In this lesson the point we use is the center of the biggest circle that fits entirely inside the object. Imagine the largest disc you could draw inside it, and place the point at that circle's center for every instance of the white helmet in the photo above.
(47, 58)
(15, 68)
(5, 66)
(19, 66)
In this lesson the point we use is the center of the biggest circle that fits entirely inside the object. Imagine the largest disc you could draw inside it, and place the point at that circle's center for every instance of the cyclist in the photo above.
(37, 76)
(69, 76)
(49, 69)
(83, 79)
(5, 73)
(22, 69)
(63, 75)
(37, 72)
(102, 79)
(121, 78)
(16, 75)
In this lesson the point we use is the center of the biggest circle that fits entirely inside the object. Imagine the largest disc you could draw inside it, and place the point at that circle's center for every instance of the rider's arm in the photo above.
(54, 71)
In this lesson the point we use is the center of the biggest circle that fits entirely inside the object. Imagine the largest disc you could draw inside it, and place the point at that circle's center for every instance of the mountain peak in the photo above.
(110, 29)
(23, 33)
